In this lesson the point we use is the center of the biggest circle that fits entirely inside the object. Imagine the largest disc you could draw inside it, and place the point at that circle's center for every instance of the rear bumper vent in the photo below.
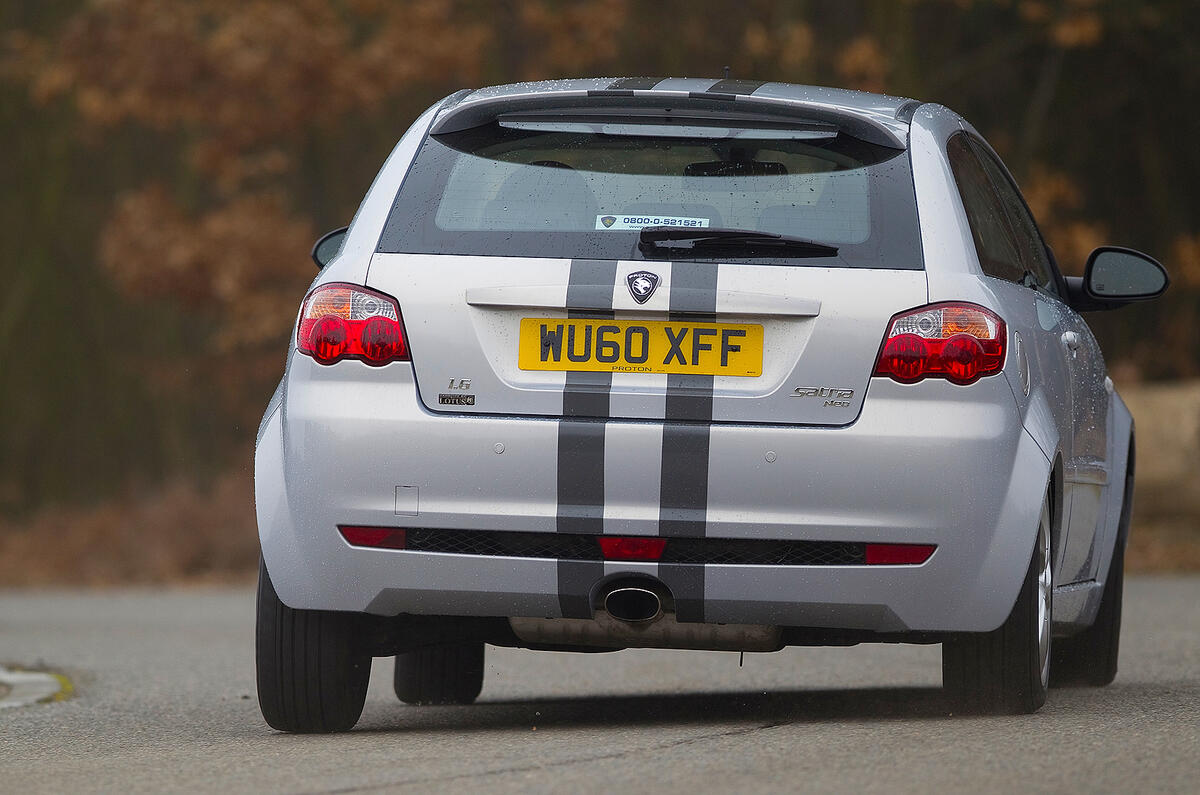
(565, 546)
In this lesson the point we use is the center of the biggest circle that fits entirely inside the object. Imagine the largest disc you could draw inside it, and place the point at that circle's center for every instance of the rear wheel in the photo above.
(451, 674)
(1007, 670)
(1089, 659)
(311, 678)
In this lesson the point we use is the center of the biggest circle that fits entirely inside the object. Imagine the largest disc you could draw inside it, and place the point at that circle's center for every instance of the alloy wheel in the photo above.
(1045, 593)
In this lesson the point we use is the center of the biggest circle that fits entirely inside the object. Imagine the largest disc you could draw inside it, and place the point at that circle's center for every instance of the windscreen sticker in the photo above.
(628, 222)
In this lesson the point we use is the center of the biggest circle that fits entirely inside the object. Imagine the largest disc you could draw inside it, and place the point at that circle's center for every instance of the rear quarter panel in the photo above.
(954, 273)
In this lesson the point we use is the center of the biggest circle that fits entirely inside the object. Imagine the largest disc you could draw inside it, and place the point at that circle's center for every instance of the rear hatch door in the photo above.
(521, 250)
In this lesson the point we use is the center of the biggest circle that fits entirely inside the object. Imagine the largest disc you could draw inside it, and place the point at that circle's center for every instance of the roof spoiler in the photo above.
(692, 105)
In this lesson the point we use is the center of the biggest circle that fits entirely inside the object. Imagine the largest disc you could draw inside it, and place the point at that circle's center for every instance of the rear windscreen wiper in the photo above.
(721, 241)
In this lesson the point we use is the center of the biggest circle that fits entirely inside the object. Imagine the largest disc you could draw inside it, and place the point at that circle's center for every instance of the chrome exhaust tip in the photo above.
(633, 605)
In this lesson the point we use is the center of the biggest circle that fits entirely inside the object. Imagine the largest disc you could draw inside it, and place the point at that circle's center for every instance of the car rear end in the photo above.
(520, 403)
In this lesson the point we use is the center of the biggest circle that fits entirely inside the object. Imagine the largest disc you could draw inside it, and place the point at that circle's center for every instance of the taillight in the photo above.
(344, 321)
(957, 341)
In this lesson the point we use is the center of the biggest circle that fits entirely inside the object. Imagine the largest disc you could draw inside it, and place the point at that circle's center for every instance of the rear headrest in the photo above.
(546, 195)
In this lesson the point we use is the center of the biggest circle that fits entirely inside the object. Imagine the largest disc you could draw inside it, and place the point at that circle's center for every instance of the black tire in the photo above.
(451, 674)
(1089, 659)
(1002, 671)
(310, 676)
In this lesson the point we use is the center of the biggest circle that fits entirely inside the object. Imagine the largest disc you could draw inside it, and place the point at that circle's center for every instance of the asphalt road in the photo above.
(165, 701)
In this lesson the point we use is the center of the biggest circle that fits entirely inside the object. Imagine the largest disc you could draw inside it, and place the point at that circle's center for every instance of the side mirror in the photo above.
(1123, 274)
(328, 246)
(1114, 277)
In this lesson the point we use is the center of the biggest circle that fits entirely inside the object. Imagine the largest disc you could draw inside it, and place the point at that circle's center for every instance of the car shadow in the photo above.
(752, 708)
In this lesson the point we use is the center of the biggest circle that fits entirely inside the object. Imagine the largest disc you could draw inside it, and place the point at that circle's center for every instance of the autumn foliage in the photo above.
(173, 162)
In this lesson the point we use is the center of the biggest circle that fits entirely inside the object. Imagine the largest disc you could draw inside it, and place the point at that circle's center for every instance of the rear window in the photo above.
(568, 190)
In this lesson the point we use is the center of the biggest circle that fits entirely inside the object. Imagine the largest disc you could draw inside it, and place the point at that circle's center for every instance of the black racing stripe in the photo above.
(581, 476)
(683, 492)
(730, 86)
(575, 581)
(456, 97)
(590, 289)
(635, 83)
(686, 581)
(906, 111)
(581, 441)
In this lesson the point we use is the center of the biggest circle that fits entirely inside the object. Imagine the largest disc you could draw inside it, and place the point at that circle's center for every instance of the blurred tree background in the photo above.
(167, 166)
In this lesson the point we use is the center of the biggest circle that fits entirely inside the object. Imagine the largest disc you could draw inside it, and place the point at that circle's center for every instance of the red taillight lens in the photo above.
(898, 554)
(327, 339)
(343, 321)
(631, 548)
(904, 358)
(962, 357)
(378, 537)
(957, 341)
(381, 340)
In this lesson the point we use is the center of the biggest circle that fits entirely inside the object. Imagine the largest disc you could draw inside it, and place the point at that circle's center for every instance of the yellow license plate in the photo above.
(642, 346)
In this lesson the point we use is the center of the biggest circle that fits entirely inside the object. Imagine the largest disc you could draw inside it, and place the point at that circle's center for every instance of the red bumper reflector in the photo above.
(626, 548)
(898, 554)
(379, 537)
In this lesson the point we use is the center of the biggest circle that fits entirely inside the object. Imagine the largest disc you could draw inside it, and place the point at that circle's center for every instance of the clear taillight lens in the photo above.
(344, 321)
(957, 341)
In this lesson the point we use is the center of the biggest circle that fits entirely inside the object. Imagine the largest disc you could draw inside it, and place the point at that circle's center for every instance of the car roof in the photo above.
(878, 117)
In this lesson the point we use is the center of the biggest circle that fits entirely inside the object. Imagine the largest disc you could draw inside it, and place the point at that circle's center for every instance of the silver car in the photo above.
(691, 364)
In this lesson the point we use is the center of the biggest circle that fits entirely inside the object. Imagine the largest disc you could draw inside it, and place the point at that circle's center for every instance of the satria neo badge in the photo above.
(642, 285)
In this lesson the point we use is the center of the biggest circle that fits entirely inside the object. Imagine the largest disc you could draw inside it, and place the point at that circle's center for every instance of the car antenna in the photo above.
(726, 70)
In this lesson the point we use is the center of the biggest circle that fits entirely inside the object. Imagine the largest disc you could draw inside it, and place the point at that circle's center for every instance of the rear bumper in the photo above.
(930, 463)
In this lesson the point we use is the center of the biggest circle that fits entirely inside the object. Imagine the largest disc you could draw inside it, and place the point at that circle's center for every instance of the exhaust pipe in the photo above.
(638, 612)
(633, 605)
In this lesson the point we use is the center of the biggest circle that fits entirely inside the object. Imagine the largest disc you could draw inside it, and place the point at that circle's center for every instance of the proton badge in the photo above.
(642, 285)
